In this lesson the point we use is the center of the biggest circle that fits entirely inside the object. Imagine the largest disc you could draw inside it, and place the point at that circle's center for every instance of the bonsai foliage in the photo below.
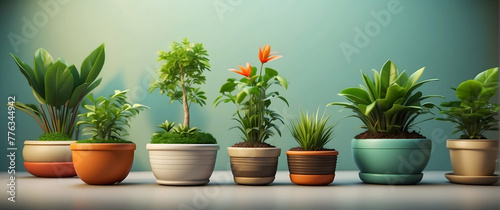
(473, 114)
(181, 134)
(253, 98)
(181, 73)
(311, 132)
(59, 89)
(390, 102)
(106, 118)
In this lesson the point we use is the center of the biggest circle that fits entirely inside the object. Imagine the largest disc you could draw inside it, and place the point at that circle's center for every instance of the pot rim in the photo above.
(312, 153)
(37, 142)
(151, 146)
(472, 144)
(390, 143)
(254, 151)
(101, 146)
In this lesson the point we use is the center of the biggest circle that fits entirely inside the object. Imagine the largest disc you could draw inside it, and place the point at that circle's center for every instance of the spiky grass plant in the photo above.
(312, 132)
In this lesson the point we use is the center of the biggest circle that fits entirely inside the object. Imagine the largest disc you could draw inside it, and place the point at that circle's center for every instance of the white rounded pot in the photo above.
(182, 164)
(47, 151)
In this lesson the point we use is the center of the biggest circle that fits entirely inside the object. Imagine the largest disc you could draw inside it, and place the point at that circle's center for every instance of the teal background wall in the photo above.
(454, 40)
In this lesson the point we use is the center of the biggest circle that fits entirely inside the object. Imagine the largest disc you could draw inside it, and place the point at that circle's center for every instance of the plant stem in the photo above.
(184, 99)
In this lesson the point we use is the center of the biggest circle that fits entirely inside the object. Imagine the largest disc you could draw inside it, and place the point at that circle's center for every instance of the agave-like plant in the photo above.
(474, 114)
(388, 103)
(59, 89)
(311, 132)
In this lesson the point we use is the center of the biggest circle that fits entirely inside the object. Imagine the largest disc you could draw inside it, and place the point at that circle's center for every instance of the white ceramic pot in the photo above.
(47, 151)
(182, 164)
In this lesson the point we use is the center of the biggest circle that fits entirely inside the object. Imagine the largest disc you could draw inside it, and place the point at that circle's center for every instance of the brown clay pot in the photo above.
(473, 157)
(254, 166)
(312, 167)
(102, 164)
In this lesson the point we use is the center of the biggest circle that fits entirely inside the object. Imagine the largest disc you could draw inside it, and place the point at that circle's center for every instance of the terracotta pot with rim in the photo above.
(50, 159)
(182, 164)
(102, 164)
(254, 166)
(312, 167)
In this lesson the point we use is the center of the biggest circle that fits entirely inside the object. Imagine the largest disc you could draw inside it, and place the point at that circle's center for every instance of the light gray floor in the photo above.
(139, 191)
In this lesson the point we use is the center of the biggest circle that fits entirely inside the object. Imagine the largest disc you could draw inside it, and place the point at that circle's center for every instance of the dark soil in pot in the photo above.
(253, 144)
(402, 135)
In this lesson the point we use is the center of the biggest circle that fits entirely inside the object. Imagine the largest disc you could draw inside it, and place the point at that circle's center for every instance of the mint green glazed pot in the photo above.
(391, 161)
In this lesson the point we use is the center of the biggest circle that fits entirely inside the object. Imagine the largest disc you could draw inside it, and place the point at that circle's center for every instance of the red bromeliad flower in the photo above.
(245, 71)
(265, 53)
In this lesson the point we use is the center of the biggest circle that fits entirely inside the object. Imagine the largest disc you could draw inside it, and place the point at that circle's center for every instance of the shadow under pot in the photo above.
(102, 163)
(182, 164)
(254, 166)
(49, 159)
(312, 167)
(391, 161)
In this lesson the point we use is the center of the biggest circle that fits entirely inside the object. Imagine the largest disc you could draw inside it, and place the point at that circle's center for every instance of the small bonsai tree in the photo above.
(106, 118)
(474, 114)
(59, 89)
(311, 132)
(180, 76)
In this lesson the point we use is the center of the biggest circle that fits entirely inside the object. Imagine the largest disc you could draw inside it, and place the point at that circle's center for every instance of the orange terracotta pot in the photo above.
(102, 164)
(50, 169)
(312, 167)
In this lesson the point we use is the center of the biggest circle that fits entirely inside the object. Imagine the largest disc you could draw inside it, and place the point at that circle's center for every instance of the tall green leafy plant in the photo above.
(390, 102)
(474, 114)
(253, 98)
(106, 119)
(311, 132)
(59, 88)
(181, 73)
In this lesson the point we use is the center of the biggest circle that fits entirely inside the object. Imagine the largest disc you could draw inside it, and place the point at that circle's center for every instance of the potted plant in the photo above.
(59, 89)
(182, 155)
(473, 156)
(311, 163)
(388, 152)
(105, 158)
(254, 162)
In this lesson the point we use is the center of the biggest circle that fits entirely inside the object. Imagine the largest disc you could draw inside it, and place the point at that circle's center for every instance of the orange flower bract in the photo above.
(264, 54)
(245, 71)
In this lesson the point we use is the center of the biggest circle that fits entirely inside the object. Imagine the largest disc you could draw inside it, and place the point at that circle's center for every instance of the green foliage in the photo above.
(54, 137)
(388, 103)
(474, 114)
(181, 72)
(256, 120)
(106, 118)
(312, 133)
(196, 137)
(105, 141)
(59, 88)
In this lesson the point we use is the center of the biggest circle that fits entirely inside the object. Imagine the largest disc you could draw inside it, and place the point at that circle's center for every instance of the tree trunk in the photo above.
(184, 100)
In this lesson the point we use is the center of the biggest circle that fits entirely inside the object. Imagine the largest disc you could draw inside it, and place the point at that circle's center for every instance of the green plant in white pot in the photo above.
(182, 155)
(59, 89)
(388, 105)
(473, 156)
(105, 158)
(253, 161)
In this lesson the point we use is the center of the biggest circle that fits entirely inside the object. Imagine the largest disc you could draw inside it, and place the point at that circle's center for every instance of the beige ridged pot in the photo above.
(254, 166)
(474, 157)
(182, 164)
(51, 159)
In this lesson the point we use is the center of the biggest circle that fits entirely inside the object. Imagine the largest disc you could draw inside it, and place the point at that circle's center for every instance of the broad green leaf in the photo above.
(92, 65)
(282, 81)
(58, 84)
(78, 95)
(489, 79)
(76, 76)
(41, 63)
(415, 76)
(241, 96)
(388, 75)
(370, 86)
(469, 91)
(356, 95)
(29, 74)
(394, 92)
